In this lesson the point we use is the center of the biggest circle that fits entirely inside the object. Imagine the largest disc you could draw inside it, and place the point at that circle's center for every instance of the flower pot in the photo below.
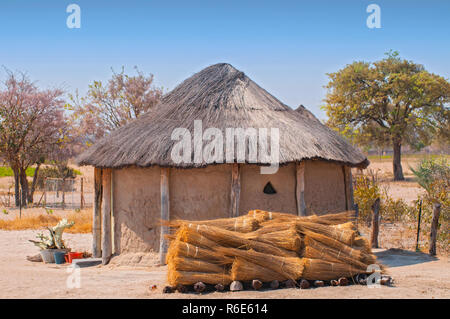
(48, 255)
(59, 257)
(74, 255)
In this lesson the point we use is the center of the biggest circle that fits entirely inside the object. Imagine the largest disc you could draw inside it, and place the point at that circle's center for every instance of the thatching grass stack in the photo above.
(266, 246)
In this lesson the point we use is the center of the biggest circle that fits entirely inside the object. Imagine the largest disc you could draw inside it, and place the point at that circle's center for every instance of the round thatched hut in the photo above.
(140, 179)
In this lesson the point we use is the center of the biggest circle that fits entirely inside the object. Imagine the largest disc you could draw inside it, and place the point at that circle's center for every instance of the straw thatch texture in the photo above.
(283, 247)
(244, 270)
(221, 97)
(318, 269)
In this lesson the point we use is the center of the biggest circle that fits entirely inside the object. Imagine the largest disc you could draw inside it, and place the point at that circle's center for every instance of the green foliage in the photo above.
(54, 172)
(433, 174)
(390, 102)
(367, 189)
(7, 171)
(365, 192)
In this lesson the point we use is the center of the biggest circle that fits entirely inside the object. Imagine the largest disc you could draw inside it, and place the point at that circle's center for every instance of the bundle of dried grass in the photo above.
(347, 226)
(291, 267)
(241, 224)
(178, 248)
(244, 270)
(318, 269)
(273, 226)
(233, 239)
(288, 239)
(316, 250)
(343, 248)
(194, 265)
(189, 235)
(333, 219)
(346, 236)
(363, 244)
(176, 277)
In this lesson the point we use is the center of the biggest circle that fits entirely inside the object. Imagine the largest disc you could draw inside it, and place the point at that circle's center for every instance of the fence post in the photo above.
(434, 228)
(375, 223)
(418, 226)
(81, 195)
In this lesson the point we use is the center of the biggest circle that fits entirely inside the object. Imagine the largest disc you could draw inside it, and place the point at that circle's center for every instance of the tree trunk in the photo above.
(398, 171)
(16, 185)
(33, 184)
(24, 185)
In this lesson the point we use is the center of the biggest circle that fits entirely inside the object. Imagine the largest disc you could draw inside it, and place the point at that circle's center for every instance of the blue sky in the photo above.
(287, 47)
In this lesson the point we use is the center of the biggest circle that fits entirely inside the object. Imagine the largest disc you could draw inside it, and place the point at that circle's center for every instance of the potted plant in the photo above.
(54, 242)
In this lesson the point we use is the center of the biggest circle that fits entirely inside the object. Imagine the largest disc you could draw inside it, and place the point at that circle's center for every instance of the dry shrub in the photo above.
(82, 219)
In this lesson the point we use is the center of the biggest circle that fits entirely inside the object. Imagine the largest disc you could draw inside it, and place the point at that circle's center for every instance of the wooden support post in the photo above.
(96, 218)
(235, 189)
(106, 217)
(434, 228)
(348, 184)
(165, 213)
(375, 223)
(300, 189)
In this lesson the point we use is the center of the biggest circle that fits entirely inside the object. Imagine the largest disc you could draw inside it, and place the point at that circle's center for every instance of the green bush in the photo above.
(53, 172)
(367, 189)
(7, 171)
(433, 174)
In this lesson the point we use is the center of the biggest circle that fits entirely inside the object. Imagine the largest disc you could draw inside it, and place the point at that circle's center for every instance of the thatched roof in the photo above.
(222, 97)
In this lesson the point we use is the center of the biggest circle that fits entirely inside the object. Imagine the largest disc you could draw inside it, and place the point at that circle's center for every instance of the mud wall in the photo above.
(324, 187)
(200, 193)
(252, 186)
(136, 209)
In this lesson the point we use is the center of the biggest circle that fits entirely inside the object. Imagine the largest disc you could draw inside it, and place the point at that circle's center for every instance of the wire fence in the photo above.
(57, 193)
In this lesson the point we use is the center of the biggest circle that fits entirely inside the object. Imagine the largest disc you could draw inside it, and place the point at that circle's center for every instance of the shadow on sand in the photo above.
(395, 257)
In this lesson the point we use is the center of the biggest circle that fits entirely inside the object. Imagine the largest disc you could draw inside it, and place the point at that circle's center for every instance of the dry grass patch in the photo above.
(82, 219)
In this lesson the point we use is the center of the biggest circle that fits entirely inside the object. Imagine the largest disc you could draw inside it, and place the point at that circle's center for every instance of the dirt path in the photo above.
(416, 275)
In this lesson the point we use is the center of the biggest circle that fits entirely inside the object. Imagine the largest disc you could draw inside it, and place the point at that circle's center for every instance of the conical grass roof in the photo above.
(221, 97)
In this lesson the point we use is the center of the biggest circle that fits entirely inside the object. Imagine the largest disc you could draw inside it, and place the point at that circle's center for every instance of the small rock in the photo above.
(319, 283)
(199, 287)
(36, 258)
(274, 284)
(257, 284)
(386, 280)
(289, 283)
(168, 290)
(343, 281)
(219, 287)
(236, 286)
(181, 289)
(361, 279)
(153, 287)
(304, 284)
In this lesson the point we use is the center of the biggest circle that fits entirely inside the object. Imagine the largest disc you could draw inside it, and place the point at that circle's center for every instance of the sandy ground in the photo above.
(416, 275)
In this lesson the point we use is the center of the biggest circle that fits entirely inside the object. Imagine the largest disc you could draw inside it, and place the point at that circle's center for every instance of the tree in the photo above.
(31, 121)
(107, 107)
(391, 100)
